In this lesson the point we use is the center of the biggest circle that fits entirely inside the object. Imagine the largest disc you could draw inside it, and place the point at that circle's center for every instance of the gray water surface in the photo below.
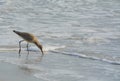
(81, 38)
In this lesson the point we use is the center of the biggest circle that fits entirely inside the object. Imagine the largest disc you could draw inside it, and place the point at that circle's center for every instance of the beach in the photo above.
(54, 67)
(80, 39)
(9, 72)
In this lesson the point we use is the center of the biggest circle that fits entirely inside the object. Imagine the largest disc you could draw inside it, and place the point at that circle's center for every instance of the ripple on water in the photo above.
(4, 2)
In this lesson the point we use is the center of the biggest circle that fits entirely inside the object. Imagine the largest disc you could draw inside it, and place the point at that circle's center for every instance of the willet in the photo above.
(30, 38)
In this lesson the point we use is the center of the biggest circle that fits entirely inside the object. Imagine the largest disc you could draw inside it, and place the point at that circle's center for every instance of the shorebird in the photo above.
(29, 38)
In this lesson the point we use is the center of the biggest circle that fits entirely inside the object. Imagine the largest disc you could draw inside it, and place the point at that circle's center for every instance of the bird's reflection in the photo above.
(34, 60)
(27, 64)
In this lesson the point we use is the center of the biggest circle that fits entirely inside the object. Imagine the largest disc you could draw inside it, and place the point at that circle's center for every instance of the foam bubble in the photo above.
(58, 35)
(96, 40)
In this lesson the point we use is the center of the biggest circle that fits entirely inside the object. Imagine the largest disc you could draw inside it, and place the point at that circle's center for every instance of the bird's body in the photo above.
(30, 38)
(26, 36)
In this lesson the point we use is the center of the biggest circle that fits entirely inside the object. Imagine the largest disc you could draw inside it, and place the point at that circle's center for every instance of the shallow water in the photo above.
(80, 38)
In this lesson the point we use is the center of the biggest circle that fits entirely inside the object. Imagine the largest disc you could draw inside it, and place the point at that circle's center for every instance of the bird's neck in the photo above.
(39, 46)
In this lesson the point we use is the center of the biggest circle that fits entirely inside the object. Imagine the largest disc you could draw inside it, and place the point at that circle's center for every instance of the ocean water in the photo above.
(81, 39)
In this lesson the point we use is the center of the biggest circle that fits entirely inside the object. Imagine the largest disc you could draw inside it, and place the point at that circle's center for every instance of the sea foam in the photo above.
(108, 59)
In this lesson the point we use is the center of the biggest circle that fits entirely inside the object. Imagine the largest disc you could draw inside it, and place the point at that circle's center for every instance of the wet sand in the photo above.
(11, 72)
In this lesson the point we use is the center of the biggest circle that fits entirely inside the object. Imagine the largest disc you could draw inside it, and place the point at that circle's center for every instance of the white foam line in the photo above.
(89, 57)
(49, 48)
(8, 49)
(34, 48)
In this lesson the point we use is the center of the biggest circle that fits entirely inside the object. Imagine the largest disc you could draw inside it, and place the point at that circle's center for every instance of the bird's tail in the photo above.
(39, 46)
(17, 32)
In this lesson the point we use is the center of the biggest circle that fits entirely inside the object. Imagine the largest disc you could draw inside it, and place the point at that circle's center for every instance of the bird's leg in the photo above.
(20, 47)
(42, 55)
(27, 49)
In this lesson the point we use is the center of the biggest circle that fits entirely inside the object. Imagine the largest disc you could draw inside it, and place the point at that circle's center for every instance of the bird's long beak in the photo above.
(40, 47)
